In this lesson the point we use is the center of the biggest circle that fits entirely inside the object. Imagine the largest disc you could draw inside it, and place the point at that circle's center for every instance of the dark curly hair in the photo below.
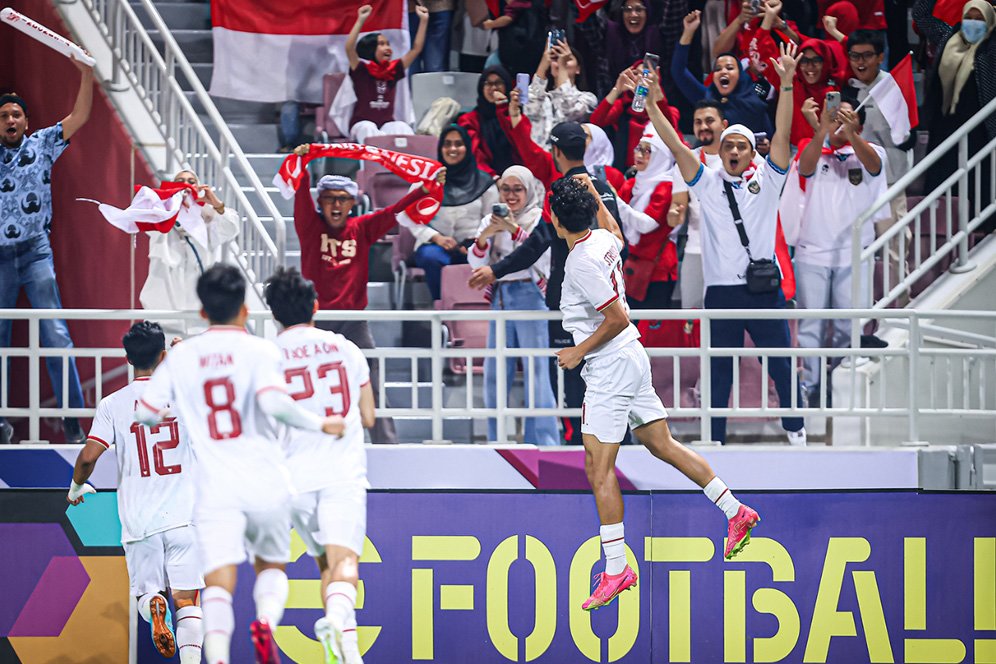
(222, 291)
(573, 204)
(143, 343)
(290, 296)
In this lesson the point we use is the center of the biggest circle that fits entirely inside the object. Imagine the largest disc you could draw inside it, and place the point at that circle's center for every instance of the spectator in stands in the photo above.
(650, 192)
(557, 92)
(841, 181)
(521, 31)
(435, 55)
(497, 237)
(813, 80)
(177, 259)
(865, 53)
(709, 123)
(739, 189)
(752, 36)
(489, 144)
(615, 44)
(961, 82)
(25, 253)
(468, 196)
(375, 76)
(335, 255)
(616, 113)
(569, 143)
(731, 85)
(842, 20)
(476, 43)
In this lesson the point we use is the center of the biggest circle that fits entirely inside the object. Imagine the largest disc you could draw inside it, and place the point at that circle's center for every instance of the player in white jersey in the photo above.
(155, 501)
(226, 387)
(327, 374)
(619, 389)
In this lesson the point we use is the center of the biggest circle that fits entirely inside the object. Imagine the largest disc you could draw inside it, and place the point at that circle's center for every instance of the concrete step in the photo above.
(203, 72)
(177, 15)
(233, 110)
(252, 137)
(197, 45)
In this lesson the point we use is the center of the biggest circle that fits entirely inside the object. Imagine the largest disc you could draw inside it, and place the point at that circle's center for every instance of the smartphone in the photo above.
(833, 103)
(755, 7)
(499, 210)
(651, 61)
(522, 85)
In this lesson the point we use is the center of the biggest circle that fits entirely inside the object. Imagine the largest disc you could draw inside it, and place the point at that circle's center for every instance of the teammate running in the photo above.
(223, 384)
(328, 375)
(155, 501)
(619, 387)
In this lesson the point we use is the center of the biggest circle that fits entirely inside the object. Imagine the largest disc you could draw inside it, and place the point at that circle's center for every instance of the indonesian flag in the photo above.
(275, 50)
(158, 210)
(417, 170)
(896, 99)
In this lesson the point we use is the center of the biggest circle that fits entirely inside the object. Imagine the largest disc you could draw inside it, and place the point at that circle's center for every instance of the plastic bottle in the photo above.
(640, 94)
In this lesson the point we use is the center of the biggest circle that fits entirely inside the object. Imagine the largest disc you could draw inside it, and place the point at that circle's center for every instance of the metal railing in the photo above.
(188, 143)
(899, 249)
(938, 372)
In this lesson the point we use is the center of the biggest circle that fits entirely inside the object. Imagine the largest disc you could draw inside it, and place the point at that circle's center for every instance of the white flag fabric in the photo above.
(153, 210)
(895, 97)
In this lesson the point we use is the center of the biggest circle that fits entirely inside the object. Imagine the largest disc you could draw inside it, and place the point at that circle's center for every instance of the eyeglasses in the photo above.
(494, 84)
(634, 9)
(639, 149)
(805, 62)
(338, 200)
(861, 56)
(518, 191)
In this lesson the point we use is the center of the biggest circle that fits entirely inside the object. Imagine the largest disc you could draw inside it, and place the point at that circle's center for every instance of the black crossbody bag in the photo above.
(763, 275)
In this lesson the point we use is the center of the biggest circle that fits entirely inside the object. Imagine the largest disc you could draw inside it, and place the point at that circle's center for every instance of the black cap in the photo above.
(13, 98)
(569, 136)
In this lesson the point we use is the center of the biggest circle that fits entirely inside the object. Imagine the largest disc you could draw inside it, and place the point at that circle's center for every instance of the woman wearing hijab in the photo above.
(599, 156)
(497, 237)
(615, 113)
(468, 195)
(650, 192)
(731, 84)
(813, 79)
(557, 92)
(962, 81)
(490, 146)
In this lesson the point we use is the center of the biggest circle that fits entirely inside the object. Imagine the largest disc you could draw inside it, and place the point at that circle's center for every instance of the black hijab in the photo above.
(491, 132)
(465, 182)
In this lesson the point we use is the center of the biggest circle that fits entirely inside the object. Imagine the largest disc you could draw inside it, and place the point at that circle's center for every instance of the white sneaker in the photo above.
(327, 637)
(797, 437)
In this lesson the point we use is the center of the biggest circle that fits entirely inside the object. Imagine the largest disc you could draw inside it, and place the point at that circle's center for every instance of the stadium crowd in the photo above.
(734, 179)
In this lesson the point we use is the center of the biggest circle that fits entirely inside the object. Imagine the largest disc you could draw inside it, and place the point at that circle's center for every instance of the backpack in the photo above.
(443, 112)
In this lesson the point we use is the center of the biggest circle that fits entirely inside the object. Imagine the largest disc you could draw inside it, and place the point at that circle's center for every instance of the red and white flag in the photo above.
(274, 50)
(157, 210)
(588, 7)
(895, 97)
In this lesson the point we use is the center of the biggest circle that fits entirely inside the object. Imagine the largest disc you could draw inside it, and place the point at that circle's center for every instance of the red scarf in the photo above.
(382, 71)
(408, 167)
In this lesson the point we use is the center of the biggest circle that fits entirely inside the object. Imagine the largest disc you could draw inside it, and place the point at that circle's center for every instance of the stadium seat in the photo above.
(401, 263)
(427, 87)
(686, 395)
(457, 295)
(325, 129)
(421, 146)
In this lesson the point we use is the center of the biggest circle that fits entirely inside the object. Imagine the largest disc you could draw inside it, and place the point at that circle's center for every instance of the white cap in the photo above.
(742, 131)
(337, 182)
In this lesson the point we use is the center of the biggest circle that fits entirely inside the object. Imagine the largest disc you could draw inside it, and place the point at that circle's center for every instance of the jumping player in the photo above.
(619, 388)
(155, 501)
(226, 385)
(328, 375)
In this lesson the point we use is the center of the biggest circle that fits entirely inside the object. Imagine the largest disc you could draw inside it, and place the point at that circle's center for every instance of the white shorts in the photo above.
(619, 391)
(334, 515)
(164, 560)
(230, 536)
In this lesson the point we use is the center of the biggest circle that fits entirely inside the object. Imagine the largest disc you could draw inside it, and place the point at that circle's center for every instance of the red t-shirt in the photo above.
(374, 96)
(338, 261)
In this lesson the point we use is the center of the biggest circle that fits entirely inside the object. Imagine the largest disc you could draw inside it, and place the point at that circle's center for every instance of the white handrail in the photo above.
(896, 390)
(188, 142)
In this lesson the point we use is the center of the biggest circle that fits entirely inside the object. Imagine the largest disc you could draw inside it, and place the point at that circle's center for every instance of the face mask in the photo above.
(973, 30)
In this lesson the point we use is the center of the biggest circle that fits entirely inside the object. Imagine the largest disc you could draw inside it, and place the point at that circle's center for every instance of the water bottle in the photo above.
(640, 94)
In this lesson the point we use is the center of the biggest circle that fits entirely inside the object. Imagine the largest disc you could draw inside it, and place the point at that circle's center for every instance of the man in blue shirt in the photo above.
(25, 220)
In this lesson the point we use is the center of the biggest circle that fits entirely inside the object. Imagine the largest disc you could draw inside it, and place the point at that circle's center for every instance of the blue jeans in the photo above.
(435, 55)
(764, 334)
(290, 124)
(29, 264)
(523, 295)
(432, 259)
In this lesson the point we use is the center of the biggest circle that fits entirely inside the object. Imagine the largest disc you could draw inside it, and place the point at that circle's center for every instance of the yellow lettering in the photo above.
(985, 598)
(679, 550)
(776, 603)
(734, 616)
(628, 605)
(451, 597)
(541, 637)
(922, 651)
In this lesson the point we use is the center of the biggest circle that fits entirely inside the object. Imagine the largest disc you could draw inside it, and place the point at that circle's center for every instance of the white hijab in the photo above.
(535, 193)
(599, 151)
(658, 170)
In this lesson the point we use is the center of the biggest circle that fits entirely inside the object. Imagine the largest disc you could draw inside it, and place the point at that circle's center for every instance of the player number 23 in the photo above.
(340, 386)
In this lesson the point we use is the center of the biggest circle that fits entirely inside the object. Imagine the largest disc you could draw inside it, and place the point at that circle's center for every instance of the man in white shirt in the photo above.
(226, 386)
(725, 260)
(155, 501)
(327, 374)
(619, 389)
(843, 175)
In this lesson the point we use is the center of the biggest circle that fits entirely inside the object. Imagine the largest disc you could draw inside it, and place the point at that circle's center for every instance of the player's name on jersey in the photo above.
(310, 350)
(216, 360)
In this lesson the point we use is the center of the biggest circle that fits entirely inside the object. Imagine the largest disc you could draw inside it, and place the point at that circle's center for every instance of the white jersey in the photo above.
(155, 465)
(212, 381)
(593, 280)
(324, 373)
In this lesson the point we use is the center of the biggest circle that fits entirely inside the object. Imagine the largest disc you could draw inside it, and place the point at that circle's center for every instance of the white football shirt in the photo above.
(593, 280)
(212, 381)
(324, 373)
(155, 465)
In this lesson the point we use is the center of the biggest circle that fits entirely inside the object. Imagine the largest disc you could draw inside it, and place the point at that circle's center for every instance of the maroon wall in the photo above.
(92, 259)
